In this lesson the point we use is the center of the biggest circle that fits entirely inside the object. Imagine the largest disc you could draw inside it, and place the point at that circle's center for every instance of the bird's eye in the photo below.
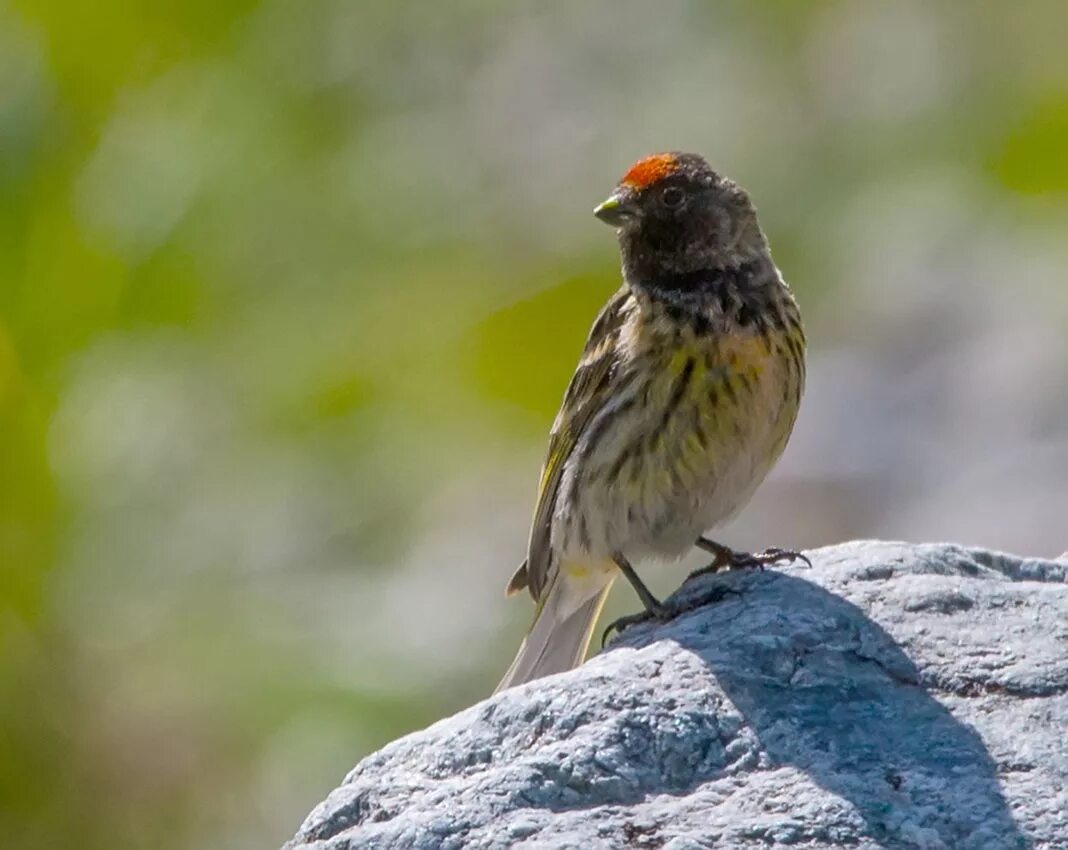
(672, 196)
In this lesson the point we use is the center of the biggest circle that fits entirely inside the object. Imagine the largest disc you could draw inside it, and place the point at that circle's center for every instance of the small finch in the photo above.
(684, 398)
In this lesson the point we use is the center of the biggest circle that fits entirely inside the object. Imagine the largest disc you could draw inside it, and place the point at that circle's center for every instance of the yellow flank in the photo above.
(580, 570)
(576, 570)
(747, 353)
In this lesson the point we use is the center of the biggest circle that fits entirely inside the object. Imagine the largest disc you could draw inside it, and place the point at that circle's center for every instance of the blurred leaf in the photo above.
(524, 354)
(1034, 155)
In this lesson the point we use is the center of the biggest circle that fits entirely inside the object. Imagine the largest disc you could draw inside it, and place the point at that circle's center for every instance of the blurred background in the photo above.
(289, 293)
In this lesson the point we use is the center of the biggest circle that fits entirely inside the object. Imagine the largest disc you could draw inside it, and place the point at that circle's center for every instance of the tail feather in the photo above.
(559, 637)
(518, 582)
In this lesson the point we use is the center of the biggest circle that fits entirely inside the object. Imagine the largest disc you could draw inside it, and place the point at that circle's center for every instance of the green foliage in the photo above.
(524, 352)
(1034, 157)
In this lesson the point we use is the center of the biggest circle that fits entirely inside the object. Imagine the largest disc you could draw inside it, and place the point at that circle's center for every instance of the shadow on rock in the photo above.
(827, 690)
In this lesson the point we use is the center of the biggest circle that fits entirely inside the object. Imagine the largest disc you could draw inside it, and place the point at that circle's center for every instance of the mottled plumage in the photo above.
(683, 400)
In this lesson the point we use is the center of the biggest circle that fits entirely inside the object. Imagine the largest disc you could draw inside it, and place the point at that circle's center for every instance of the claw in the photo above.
(728, 559)
(667, 613)
(625, 622)
(786, 556)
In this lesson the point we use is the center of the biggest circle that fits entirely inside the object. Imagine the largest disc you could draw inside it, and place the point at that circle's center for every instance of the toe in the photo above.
(623, 623)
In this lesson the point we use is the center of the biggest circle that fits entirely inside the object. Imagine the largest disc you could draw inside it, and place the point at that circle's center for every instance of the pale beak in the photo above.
(617, 209)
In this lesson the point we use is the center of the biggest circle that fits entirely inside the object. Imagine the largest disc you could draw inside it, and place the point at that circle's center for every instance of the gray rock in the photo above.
(893, 696)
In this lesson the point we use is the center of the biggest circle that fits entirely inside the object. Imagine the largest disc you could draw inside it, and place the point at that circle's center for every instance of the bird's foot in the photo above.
(661, 614)
(666, 612)
(728, 559)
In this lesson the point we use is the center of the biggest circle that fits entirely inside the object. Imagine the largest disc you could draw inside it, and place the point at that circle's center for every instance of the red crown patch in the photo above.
(646, 172)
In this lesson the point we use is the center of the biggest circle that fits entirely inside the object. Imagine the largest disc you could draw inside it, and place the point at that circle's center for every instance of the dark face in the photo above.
(675, 214)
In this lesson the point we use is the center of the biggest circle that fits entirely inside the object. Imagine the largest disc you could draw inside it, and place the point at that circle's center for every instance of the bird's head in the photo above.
(674, 213)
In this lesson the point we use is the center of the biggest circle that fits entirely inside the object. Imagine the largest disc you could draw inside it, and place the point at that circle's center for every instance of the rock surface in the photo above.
(893, 696)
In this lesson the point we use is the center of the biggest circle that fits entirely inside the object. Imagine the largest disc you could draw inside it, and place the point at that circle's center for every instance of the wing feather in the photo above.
(585, 395)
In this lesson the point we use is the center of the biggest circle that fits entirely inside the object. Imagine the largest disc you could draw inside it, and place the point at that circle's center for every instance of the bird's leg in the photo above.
(652, 605)
(722, 556)
(654, 608)
(726, 558)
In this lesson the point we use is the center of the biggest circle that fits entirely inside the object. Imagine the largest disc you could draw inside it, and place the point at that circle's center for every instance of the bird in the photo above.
(683, 399)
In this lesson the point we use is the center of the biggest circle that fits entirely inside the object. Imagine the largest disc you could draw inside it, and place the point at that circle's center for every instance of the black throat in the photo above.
(735, 293)
(700, 284)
